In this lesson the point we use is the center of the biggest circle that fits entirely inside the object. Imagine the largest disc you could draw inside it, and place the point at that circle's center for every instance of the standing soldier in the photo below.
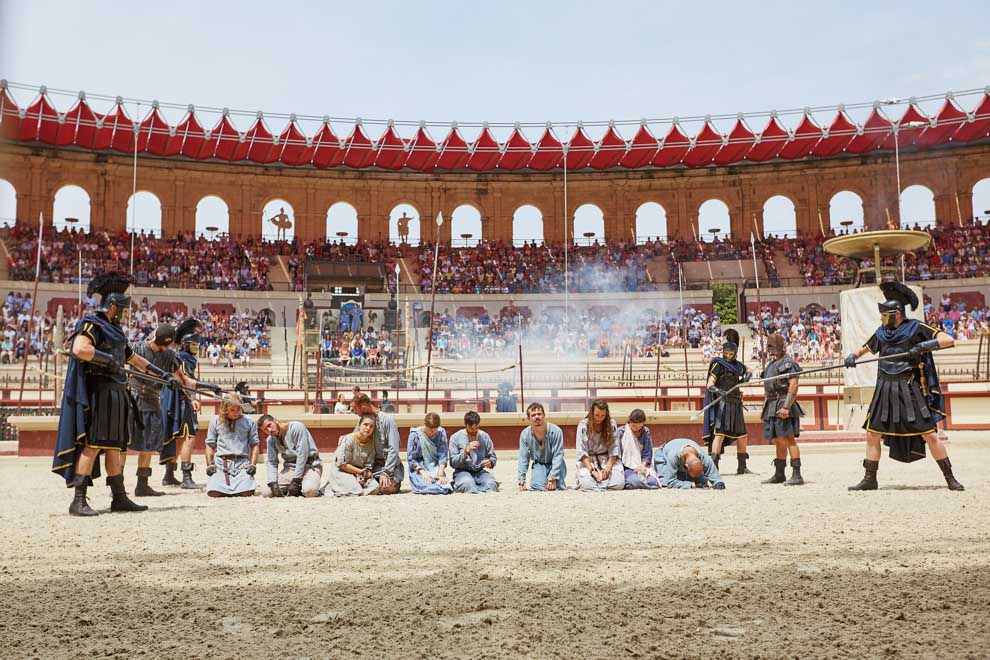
(96, 407)
(146, 427)
(180, 410)
(907, 403)
(781, 413)
(724, 422)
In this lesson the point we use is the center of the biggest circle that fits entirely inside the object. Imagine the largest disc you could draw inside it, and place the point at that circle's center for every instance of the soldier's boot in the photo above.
(779, 464)
(741, 467)
(950, 480)
(187, 480)
(869, 481)
(120, 501)
(796, 478)
(79, 506)
(169, 478)
(142, 489)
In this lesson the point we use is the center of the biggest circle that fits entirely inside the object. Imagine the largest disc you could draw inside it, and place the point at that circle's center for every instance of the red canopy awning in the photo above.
(740, 142)
(673, 148)
(392, 152)
(769, 143)
(423, 154)
(806, 136)
(454, 154)
(642, 149)
(518, 152)
(611, 149)
(81, 127)
(549, 153)
(707, 143)
(840, 134)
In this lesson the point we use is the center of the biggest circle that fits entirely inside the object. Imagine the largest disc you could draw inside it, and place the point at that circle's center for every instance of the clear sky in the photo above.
(501, 61)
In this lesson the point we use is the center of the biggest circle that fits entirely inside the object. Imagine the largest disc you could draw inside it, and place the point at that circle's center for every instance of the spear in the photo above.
(896, 356)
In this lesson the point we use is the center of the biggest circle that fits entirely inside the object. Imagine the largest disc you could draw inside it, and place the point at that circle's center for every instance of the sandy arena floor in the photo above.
(754, 571)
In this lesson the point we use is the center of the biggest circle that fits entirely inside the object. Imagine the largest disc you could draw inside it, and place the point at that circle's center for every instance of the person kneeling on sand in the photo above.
(354, 460)
(388, 467)
(472, 455)
(598, 451)
(636, 447)
(541, 445)
(302, 468)
(682, 463)
(426, 450)
(231, 451)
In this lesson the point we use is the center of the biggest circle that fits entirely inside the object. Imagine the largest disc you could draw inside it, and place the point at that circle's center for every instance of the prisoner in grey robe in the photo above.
(353, 453)
(469, 475)
(300, 460)
(599, 448)
(233, 450)
(387, 447)
(668, 461)
(427, 454)
(546, 458)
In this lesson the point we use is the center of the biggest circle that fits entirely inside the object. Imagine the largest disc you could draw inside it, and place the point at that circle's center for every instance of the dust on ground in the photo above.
(752, 571)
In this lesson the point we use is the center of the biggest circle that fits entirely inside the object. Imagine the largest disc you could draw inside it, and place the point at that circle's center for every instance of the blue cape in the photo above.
(912, 447)
(708, 428)
(172, 402)
(71, 434)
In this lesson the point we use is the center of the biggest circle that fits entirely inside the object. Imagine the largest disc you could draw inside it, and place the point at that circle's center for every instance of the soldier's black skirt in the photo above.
(152, 436)
(189, 422)
(729, 422)
(775, 427)
(899, 408)
(108, 425)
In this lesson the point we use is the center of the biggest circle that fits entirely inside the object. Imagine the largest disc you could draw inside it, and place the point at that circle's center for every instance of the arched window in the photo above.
(72, 208)
(278, 221)
(8, 204)
(713, 221)
(589, 225)
(342, 223)
(651, 223)
(779, 218)
(981, 201)
(212, 217)
(845, 212)
(144, 213)
(527, 225)
(403, 225)
(918, 207)
(465, 226)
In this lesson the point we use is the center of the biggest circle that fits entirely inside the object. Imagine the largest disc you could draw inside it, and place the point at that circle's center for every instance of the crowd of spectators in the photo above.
(500, 267)
(362, 347)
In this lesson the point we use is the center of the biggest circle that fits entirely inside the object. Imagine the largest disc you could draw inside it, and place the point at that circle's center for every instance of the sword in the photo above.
(701, 412)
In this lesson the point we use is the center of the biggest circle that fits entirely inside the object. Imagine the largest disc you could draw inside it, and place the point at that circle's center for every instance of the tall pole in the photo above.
(567, 231)
(522, 386)
(759, 303)
(680, 288)
(897, 166)
(433, 306)
(34, 309)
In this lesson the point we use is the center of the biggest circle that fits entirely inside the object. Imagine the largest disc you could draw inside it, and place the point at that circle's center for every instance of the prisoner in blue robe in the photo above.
(472, 462)
(387, 444)
(426, 451)
(670, 462)
(545, 455)
(636, 452)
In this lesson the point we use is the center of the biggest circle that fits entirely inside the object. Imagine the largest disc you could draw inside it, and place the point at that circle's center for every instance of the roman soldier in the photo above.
(907, 403)
(781, 413)
(180, 409)
(96, 405)
(724, 422)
